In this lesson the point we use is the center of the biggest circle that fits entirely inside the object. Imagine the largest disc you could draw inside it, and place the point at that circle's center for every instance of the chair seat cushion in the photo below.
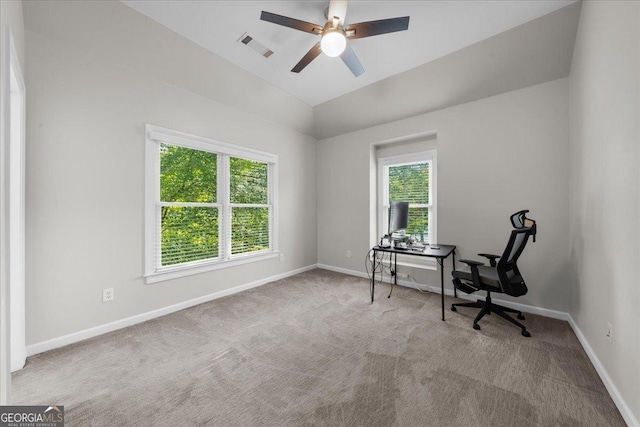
(491, 281)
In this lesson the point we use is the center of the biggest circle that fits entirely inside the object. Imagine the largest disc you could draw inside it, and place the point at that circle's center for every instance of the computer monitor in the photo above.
(398, 216)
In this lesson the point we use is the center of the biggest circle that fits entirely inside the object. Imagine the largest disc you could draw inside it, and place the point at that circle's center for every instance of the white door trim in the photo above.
(16, 174)
(12, 351)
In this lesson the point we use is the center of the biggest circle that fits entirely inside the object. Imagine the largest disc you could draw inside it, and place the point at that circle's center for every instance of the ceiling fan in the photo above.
(334, 34)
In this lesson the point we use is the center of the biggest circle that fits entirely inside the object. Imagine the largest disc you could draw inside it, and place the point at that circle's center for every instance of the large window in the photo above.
(409, 178)
(209, 204)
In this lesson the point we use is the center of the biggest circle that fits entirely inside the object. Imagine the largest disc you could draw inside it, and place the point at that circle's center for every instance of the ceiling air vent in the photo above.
(255, 45)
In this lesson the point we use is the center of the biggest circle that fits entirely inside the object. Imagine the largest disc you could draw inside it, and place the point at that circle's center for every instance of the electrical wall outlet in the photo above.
(349, 254)
(281, 257)
(107, 295)
(609, 332)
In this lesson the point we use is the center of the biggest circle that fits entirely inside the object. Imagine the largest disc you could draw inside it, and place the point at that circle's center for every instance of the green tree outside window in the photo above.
(190, 210)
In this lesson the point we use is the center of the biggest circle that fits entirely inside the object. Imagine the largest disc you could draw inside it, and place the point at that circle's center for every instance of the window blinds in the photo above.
(410, 182)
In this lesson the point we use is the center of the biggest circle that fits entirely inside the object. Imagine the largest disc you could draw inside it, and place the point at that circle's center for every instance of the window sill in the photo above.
(177, 272)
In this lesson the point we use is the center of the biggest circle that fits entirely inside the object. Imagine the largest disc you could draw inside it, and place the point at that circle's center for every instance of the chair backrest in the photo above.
(507, 265)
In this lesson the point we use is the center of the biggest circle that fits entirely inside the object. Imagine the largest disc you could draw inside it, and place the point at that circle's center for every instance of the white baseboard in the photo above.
(624, 409)
(139, 318)
(343, 270)
(546, 312)
(621, 404)
(554, 314)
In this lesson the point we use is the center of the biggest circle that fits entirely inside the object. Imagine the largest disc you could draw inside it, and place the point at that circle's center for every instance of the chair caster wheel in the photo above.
(526, 333)
(476, 326)
(453, 308)
(520, 316)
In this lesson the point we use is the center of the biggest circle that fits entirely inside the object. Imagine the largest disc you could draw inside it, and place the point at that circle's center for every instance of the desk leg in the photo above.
(441, 262)
(455, 291)
(395, 272)
(373, 275)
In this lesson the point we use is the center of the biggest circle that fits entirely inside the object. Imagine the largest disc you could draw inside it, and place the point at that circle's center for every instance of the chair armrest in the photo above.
(471, 263)
(492, 258)
(475, 275)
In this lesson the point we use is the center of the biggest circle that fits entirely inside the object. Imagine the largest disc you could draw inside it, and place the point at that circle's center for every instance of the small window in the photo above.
(409, 178)
(209, 204)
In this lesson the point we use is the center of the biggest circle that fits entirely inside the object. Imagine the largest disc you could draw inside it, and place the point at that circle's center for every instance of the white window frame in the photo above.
(154, 136)
(384, 163)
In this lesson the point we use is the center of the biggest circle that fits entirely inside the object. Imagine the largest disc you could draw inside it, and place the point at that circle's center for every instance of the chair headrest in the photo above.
(520, 220)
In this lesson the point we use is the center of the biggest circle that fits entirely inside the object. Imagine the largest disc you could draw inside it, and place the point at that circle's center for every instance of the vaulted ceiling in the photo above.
(454, 52)
(436, 29)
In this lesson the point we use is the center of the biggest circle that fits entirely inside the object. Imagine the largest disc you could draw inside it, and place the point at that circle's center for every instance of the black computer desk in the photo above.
(439, 254)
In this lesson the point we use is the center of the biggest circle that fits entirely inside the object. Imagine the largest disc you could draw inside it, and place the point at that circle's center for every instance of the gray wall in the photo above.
(85, 185)
(605, 188)
(123, 36)
(495, 156)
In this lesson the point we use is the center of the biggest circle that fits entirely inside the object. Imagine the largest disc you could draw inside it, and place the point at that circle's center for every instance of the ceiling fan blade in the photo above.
(374, 28)
(337, 8)
(349, 57)
(310, 56)
(296, 24)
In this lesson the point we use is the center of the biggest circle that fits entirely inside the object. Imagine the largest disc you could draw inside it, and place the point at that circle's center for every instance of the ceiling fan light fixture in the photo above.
(333, 42)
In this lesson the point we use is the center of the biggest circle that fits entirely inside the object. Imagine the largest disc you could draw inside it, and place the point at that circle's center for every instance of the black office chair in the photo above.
(502, 276)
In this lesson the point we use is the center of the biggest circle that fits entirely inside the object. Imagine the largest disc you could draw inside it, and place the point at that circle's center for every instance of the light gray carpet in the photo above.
(312, 350)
